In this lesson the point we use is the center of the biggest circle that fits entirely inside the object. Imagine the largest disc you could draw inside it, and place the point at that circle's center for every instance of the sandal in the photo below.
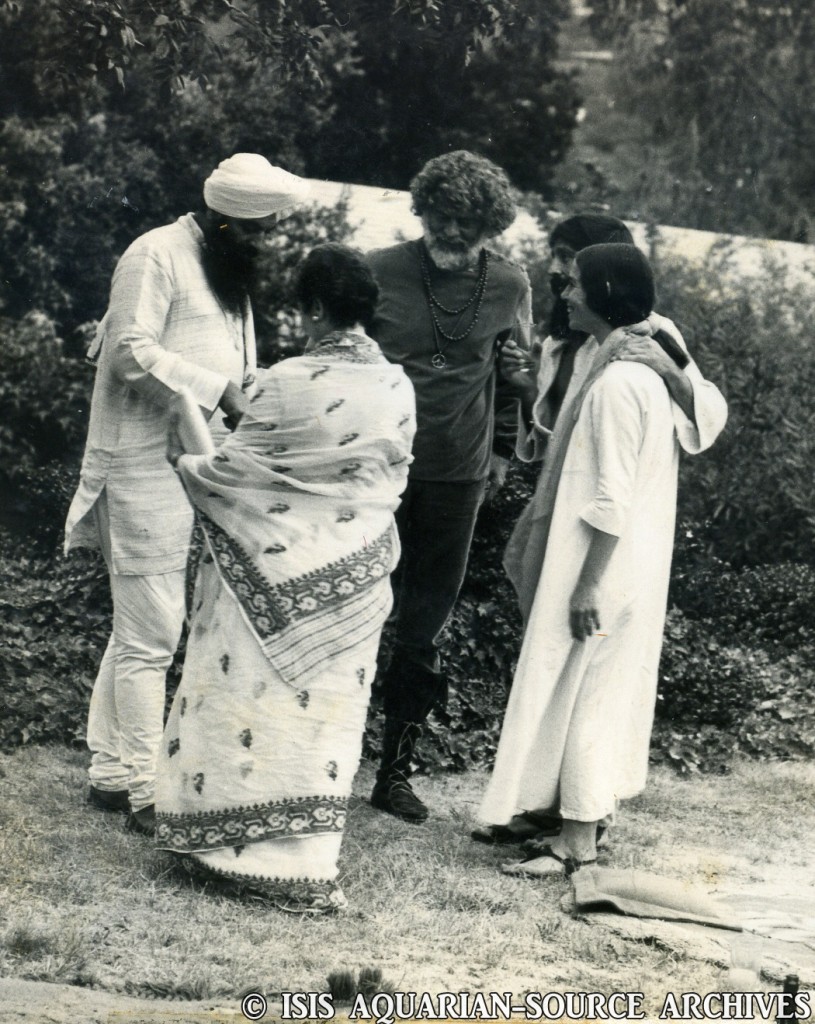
(529, 824)
(545, 862)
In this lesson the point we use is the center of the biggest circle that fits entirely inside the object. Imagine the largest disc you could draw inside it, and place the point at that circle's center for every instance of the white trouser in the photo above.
(126, 717)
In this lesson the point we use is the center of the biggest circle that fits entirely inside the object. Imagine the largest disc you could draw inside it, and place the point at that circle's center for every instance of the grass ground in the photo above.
(88, 904)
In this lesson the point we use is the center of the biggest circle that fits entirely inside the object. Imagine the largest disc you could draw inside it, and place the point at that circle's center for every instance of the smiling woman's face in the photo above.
(581, 318)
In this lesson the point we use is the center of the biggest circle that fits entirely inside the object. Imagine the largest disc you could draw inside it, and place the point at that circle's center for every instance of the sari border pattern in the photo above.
(271, 608)
(295, 894)
(278, 819)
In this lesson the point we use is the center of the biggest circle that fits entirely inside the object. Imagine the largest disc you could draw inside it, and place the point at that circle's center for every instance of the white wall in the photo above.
(381, 217)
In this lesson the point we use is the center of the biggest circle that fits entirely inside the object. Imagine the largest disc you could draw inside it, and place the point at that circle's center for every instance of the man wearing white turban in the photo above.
(179, 316)
(248, 187)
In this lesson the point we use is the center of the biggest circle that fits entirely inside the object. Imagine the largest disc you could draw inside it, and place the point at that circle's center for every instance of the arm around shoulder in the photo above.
(700, 411)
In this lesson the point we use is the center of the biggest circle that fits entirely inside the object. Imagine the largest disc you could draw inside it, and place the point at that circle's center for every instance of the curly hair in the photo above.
(462, 183)
(340, 278)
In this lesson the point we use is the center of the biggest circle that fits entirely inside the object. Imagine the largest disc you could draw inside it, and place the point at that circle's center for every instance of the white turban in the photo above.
(247, 186)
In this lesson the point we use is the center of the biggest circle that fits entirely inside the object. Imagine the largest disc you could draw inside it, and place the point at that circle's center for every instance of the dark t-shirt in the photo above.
(454, 405)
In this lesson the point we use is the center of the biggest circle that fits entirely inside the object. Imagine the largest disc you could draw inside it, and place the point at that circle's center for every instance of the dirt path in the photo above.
(38, 1002)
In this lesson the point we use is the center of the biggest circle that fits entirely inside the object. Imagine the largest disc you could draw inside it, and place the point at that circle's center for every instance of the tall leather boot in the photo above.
(392, 792)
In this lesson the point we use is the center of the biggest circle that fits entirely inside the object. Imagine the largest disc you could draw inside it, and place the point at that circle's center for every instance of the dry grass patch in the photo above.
(87, 903)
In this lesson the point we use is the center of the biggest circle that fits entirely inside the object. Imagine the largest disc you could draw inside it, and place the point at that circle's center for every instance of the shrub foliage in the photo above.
(752, 497)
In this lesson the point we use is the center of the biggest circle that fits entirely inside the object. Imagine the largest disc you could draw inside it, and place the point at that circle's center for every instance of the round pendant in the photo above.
(438, 361)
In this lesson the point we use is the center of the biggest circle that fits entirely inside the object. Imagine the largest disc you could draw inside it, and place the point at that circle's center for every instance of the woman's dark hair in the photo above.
(579, 232)
(585, 229)
(340, 278)
(618, 283)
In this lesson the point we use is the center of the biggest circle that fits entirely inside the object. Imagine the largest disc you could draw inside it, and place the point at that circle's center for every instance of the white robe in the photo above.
(577, 728)
(164, 329)
(694, 436)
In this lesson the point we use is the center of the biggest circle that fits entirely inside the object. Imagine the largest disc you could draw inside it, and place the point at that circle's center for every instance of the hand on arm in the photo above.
(234, 404)
(520, 369)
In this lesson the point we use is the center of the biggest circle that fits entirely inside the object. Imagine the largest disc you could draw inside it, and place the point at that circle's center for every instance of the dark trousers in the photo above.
(436, 522)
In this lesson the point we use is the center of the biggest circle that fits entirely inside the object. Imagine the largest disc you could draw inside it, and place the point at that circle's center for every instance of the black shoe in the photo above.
(142, 821)
(109, 800)
(398, 799)
(524, 826)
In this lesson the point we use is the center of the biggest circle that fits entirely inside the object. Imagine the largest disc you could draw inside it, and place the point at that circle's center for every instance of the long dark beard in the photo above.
(559, 317)
(230, 268)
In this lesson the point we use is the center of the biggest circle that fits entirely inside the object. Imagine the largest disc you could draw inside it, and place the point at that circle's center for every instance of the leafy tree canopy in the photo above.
(70, 43)
(729, 88)
(405, 79)
(412, 98)
(112, 112)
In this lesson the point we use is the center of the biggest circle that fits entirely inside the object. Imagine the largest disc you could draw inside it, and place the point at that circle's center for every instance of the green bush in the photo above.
(738, 662)
(46, 397)
(707, 678)
(74, 195)
(55, 619)
(768, 607)
(751, 499)
(719, 695)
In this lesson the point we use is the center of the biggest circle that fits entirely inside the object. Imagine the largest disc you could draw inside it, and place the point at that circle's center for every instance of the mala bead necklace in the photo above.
(438, 360)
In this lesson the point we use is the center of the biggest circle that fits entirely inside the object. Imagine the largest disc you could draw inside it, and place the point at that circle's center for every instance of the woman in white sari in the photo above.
(576, 734)
(296, 510)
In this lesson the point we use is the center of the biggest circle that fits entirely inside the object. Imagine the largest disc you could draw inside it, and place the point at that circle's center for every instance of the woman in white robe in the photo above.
(576, 734)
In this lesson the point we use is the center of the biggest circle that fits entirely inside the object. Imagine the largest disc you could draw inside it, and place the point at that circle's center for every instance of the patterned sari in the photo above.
(291, 593)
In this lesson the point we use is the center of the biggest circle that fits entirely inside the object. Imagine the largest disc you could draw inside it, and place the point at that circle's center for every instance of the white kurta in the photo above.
(164, 329)
(577, 727)
(710, 408)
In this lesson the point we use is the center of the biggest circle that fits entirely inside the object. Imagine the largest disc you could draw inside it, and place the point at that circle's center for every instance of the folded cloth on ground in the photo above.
(639, 894)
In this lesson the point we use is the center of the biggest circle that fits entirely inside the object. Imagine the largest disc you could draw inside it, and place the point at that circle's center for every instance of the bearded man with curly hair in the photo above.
(446, 304)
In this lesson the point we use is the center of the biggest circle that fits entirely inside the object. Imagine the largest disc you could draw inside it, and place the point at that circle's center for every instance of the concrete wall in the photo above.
(381, 217)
